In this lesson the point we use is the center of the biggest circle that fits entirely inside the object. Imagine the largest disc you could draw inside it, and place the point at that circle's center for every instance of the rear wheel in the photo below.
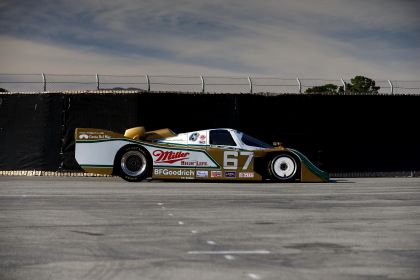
(132, 164)
(284, 168)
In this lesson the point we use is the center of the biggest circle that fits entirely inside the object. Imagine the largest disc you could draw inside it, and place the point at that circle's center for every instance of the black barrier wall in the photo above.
(30, 131)
(110, 111)
(340, 133)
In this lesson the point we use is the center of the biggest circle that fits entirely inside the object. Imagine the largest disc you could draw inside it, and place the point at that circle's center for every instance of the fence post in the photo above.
(148, 83)
(392, 86)
(344, 85)
(250, 85)
(203, 85)
(97, 82)
(299, 84)
(44, 81)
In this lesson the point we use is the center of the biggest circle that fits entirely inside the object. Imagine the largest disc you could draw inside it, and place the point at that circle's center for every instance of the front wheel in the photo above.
(132, 164)
(284, 168)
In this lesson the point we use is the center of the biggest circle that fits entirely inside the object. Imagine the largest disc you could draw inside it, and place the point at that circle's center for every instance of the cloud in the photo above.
(282, 38)
(26, 56)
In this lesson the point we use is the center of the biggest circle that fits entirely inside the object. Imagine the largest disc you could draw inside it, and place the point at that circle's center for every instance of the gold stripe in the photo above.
(99, 170)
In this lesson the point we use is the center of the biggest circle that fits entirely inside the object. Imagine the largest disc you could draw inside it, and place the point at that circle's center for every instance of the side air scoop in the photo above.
(139, 133)
(136, 133)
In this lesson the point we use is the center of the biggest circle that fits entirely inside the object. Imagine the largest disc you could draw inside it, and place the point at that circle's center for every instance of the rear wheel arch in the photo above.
(133, 163)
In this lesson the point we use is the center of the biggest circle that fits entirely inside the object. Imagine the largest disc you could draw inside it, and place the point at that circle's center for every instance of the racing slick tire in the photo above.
(284, 167)
(133, 164)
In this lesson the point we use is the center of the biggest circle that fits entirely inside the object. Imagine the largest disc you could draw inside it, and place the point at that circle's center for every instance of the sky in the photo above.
(285, 38)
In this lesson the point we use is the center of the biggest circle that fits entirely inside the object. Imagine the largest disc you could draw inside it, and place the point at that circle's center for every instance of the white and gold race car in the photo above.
(213, 154)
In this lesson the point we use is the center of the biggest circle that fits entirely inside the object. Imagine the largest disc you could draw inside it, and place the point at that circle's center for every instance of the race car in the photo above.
(221, 154)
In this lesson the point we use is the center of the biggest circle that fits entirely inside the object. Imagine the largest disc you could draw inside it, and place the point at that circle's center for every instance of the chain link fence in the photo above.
(205, 84)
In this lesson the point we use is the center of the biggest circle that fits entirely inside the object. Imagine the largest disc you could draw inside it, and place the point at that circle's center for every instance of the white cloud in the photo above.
(25, 56)
(282, 38)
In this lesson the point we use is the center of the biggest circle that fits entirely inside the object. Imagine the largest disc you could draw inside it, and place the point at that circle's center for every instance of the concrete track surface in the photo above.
(105, 228)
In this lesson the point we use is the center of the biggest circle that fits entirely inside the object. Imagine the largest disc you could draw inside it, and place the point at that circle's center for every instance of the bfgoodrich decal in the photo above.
(181, 173)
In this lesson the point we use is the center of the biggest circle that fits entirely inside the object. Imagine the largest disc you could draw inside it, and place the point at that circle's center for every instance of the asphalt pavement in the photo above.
(105, 228)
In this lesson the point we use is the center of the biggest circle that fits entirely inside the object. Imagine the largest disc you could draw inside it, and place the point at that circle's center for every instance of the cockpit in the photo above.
(219, 137)
(234, 138)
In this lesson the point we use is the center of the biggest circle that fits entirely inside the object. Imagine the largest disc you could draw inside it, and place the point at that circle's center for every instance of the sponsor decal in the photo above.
(170, 156)
(246, 174)
(202, 173)
(174, 172)
(194, 163)
(216, 174)
(163, 157)
(95, 135)
(194, 136)
(202, 141)
(202, 137)
(230, 174)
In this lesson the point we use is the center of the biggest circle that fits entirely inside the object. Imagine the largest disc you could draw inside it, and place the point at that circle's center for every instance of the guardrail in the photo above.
(204, 84)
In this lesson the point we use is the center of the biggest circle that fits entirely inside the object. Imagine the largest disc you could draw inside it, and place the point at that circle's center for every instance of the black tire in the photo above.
(133, 164)
(284, 167)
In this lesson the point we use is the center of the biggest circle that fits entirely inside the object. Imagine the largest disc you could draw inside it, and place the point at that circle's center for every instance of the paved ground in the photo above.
(105, 228)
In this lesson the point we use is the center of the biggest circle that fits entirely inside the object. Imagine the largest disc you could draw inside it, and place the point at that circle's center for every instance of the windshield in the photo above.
(253, 142)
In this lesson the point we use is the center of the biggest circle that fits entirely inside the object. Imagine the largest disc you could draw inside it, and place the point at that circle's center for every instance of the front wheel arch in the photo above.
(284, 167)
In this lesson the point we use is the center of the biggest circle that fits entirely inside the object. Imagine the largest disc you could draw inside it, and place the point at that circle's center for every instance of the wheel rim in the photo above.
(284, 167)
(133, 163)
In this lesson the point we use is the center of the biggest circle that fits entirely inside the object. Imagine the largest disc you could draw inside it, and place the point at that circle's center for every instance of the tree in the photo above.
(3, 90)
(359, 84)
(328, 88)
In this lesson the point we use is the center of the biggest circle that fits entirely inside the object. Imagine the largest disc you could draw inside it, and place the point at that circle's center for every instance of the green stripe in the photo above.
(162, 146)
(183, 166)
(194, 145)
(96, 165)
(106, 140)
(322, 174)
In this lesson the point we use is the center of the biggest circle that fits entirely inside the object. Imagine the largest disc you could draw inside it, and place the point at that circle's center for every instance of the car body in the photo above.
(212, 154)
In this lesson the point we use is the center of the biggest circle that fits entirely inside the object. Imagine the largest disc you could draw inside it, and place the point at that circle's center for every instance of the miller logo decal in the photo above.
(169, 156)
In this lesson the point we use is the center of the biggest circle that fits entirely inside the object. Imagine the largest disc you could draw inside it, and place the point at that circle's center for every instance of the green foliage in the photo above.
(361, 84)
(358, 84)
(328, 88)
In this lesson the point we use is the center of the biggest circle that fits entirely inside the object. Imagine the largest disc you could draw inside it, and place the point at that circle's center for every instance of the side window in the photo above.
(221, 137)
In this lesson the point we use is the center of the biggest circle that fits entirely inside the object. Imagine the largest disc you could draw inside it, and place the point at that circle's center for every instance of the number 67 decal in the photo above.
(230, 159)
